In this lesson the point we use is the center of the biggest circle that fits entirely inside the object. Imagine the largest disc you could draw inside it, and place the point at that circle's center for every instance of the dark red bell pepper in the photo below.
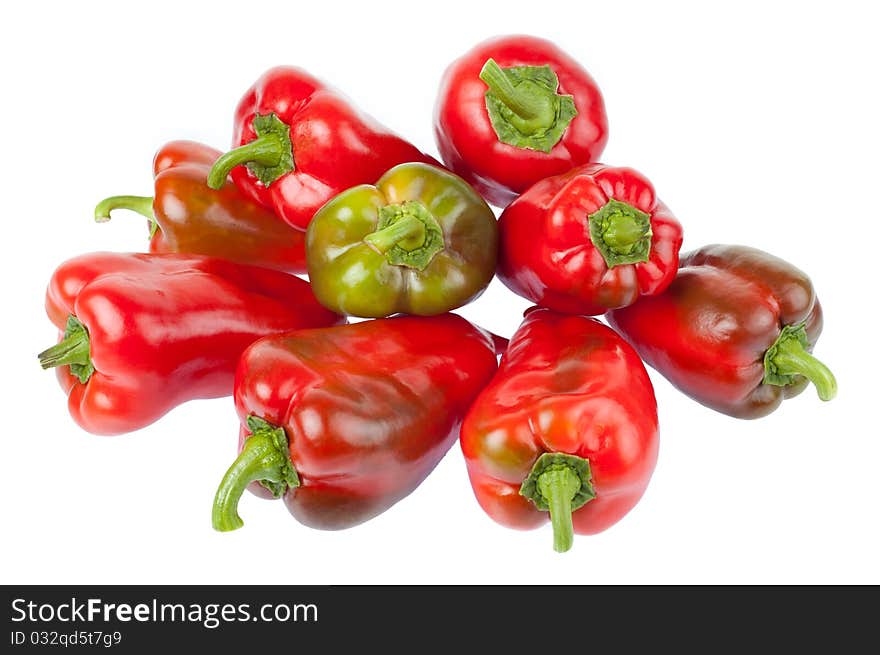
(344, 422)
(299, 143)
(187, 216)
(514, 110)
(734, 331)
(143, 333)
(590, 240)
(566, 431)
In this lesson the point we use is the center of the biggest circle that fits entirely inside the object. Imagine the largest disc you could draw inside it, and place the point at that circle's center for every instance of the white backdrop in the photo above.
(756, 123)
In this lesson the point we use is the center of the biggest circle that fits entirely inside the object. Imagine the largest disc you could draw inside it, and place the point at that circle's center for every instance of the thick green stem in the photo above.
(559, 483)
(265, 150)
(559, 487)
(268, 157)
(408, 231)
(264, 458)
(74, 350)
(143, 205)
(524, 106)
(621, 233)
(70, 350)
(407, 234)
(525, 103)
(788, 358)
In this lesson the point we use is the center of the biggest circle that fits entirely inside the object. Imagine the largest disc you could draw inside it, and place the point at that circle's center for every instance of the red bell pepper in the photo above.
(344, 422)
(187, 216)
(593, 239)
(303, 143)
(566, 431)
(734, 331)
(514, 110)
(143, 333)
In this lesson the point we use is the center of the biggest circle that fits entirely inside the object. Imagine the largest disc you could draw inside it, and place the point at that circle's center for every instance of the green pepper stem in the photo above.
(265, 458)
(143, 205)
(524, 105)
(791, 358)
(407, 231)
(527, 106)
(72, 349)
(559, 483)
(621, 233)
(407, 234)
(558, 487)
(266, 150)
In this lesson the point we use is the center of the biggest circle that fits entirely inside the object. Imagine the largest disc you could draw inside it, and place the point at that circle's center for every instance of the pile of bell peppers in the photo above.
(257, 256)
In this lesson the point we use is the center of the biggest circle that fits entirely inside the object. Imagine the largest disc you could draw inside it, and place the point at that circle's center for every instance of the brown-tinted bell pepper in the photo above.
(733, 331)
(188, 216)
(343, 422)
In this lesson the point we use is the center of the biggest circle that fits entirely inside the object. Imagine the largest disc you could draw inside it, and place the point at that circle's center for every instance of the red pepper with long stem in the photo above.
(565, 432)
(343, 422)
(300, 143)
(514, 110)
(143, 333)
(187, 216)
(590, 240)
(734, 331)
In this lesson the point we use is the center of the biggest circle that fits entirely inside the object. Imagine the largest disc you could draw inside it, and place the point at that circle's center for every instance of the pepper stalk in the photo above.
(264, 458)
(142, 205)
(74, 350)
(268, 157)
(789, 357)
(559, 483)
(524, 106)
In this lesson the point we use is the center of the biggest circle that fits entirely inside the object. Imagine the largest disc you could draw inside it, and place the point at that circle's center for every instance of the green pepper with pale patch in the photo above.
(420, 241)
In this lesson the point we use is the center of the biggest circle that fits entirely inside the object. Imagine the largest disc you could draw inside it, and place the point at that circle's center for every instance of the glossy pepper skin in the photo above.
(143, 333)
(593, 239)
(343, 422)
(302, 143)
(187, 216)
(734, 331)
(566, 431)
(515, 110)
(420, 241)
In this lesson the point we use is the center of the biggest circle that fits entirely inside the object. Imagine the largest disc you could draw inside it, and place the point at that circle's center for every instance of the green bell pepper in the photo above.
(421, 241)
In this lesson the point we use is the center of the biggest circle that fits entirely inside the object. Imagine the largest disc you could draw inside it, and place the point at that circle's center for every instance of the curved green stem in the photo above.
(268, 157)
(407, 234)
(143, 205)
(559, 483)
(525, 107)
(74, 350)
(408, 231)
(788, 357)
(265, 150)
(265, 457)
(528, 105)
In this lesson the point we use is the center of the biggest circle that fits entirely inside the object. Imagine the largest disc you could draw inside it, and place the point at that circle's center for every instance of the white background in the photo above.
(757, 123)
